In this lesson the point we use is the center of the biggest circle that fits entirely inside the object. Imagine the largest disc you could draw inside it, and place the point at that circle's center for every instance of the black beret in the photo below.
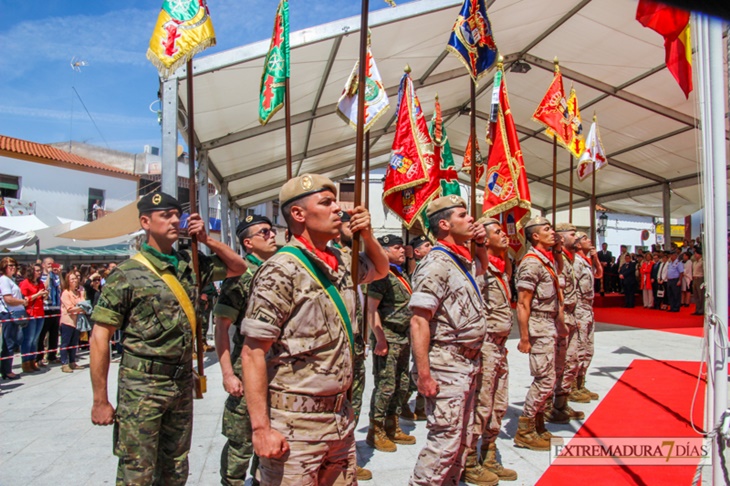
(158, 201)
(249, 221)
(390, 240)
(418, 241)
(345, 216)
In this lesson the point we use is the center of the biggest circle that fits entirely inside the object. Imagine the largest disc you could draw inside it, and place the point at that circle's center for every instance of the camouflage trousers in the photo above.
(238, 450)
(492, 392)
(153, 429)
(567, 363)
(542, 369)
(321, 463)
(450, 419)
(358, 378)
(586, 325)
(392, 381)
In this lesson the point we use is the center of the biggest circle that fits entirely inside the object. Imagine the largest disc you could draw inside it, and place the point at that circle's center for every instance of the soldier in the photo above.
(416, 250)
(298, 349)
(540, 321)
(566, 358)
(587, 267)
(447, 331)
(153, 422)
(390, 320)
(258, 239)
(492, 388)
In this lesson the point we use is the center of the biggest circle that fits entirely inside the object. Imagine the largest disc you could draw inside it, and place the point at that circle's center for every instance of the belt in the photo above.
(148, 366)
(293, 402)
(546, 315)
(496, 339)
(459, 349)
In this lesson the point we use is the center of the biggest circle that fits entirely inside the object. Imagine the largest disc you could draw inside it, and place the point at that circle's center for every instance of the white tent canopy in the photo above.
(617, 66)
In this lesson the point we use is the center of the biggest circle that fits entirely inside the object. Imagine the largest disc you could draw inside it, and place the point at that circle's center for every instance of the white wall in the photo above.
(626, 229)
(64, 192)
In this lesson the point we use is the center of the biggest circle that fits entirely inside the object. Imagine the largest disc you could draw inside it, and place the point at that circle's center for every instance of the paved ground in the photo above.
(46, 436)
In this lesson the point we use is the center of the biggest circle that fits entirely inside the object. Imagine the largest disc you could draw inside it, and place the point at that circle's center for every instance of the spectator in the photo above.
(12, 306)
(34, 291)
(73, 294)
(686, 279)
(698, 280)
(52, 308)
(627, 275)
(654, 277)
(663, 293)
(604, 256)
(675, 271)
(93, 290)
(645, 284)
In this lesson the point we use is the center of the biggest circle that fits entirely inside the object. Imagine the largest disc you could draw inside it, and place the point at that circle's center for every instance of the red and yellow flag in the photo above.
(553, 111)
(577, 142)
(467, 163)
(672, 24)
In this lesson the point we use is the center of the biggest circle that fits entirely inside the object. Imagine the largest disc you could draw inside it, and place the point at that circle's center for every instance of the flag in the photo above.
(466, 164)
(471, 39)
(390, 2)
(442, 151)
(183, 29)
(553, 111)
(507, 191)
(409, 184)
(577, 142)
(593, 155)
(276, 66)
(376, 99)
(673, 24)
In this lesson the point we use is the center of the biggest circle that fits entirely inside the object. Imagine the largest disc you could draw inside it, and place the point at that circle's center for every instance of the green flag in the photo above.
(276, 66)
(449, 182)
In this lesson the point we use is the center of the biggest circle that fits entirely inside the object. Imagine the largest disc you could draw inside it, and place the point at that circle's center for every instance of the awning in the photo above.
(120, 223)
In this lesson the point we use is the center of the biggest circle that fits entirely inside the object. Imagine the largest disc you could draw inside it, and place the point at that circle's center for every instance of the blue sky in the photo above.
(39, 39)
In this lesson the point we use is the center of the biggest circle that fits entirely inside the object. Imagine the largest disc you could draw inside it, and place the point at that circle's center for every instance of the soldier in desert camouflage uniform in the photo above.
(539, 316)
(390, 321)
(493, 386)
(447, 331)
(154, 417)
(298, 351)
(258, 239)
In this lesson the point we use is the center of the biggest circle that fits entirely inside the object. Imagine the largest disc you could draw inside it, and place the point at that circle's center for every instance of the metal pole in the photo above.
(169, 136)
(555, 177)
(473, 138)
(667, 213)
(202, 188)
(593, 205)
(287, 118)
(570, 211)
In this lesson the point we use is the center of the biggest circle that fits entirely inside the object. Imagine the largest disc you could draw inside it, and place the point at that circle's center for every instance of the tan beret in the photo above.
(487, 221)
(580, 235)
(565, 227)
(443, 203)
(305, 185)
(538, 221)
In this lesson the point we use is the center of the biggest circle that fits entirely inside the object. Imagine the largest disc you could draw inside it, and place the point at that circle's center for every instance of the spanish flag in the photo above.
(673, 24)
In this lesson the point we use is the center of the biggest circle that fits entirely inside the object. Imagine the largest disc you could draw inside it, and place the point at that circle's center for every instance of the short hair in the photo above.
(286, 210)
(531, 231)
(435, 218)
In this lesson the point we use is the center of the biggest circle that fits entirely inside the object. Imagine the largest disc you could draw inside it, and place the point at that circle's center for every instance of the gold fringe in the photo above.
(166, 71)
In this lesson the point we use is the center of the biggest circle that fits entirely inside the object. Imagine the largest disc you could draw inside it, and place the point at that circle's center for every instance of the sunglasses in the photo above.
(265, 233)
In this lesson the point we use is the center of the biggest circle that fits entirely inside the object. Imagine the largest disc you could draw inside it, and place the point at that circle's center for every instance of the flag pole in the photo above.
(360, 131)
(555, 176)
(570, 211)
(192, 188)
(364, 325)
(287, 117)
(473, 138)
(593, 204)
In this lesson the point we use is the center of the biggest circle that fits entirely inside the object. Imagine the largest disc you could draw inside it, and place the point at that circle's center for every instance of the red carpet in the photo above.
(681, 322)
(652, 399)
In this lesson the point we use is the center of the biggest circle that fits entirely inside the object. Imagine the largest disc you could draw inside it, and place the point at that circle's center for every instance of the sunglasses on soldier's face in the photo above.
(265, 233)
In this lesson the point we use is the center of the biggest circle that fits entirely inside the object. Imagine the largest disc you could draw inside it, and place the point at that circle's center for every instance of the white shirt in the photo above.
(9, 287)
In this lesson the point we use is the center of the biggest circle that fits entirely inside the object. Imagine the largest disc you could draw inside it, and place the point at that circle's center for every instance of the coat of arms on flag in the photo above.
(594, 157)
(276, 66)
(183, 29)
(552, 111)
(376, 99)
(471, 39)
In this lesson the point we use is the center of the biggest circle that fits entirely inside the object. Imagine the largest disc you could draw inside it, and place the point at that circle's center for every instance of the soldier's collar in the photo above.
(162, 258)
(250, 257)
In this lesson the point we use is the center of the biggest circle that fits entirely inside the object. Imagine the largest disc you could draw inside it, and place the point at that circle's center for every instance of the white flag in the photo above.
(593, 155)
(376, 99)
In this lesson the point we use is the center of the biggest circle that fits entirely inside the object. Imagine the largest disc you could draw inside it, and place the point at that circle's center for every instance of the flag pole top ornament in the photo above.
(500, 63)
(407, 69)
(556, 63)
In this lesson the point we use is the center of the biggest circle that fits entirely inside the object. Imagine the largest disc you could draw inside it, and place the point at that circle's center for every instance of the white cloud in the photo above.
(106, 118)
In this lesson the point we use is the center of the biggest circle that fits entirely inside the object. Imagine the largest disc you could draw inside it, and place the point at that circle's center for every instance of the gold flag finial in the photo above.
(594, 116)
(407, 69)
(556, 63)
(437, 96)
(500, 62)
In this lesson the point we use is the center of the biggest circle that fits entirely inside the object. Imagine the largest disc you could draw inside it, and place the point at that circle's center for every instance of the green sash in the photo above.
(328, 287)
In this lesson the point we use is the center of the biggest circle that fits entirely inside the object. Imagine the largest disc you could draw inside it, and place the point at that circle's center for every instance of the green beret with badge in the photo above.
(250, 220)
(158, 201)
(390, 240)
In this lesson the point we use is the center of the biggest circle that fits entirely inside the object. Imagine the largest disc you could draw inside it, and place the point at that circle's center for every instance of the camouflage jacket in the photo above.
(143, 306)
(570, 291)
(584, 279)
(533, 275)
(499, 295)
(459, 314)
(395, 315)
(310, 354)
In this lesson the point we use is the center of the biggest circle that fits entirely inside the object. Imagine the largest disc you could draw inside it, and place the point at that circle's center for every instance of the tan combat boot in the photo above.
(395, 433)
(405, 410)
(577, 396)
(561, 404)
(581, 384)
(540, 427)
(378, 440)
(491, 464)
(474, 473)
(554, 415)
(364, 474)
(420, 408)
(528, 437)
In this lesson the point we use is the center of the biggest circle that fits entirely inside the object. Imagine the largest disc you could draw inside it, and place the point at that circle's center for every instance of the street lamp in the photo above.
(602, 224)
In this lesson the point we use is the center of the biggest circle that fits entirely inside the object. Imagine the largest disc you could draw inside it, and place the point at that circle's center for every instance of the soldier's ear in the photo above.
(144, 221)
(297, 213)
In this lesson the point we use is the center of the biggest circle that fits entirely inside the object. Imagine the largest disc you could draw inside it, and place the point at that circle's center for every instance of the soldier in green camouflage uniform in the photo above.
(258, 239)
(153, 422)
(390, 320)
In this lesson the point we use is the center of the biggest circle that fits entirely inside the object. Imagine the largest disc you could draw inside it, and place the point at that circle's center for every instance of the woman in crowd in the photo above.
(34, 291)
(687, 279)
(645, 284)
(12, 306)
(627, 274)
(72, 295)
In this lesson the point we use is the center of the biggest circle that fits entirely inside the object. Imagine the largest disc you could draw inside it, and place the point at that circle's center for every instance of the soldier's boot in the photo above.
(491, 464)
(581, 384)
(528, 437)
(540, 427)
(554, 413)
(577, 396)
(405, 410)
(364, 474)
(395, 433)
(474, 473)
(420, 408)
(561, 404)
(377, 438)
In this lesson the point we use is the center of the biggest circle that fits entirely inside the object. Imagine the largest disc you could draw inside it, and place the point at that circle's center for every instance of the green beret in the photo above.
(443, 203)
(565, 227)
(538, 221)
(250, 220)
(305, 185)
(418, 241)
(390, 240)
(158, 201)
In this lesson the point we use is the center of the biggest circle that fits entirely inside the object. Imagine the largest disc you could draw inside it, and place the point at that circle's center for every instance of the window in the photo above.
(9, 186)
(95, 208)
(347, 192)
